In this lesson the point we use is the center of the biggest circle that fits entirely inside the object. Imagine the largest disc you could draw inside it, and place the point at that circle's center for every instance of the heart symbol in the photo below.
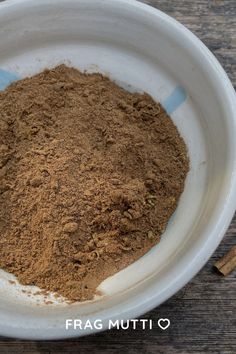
(163, 323)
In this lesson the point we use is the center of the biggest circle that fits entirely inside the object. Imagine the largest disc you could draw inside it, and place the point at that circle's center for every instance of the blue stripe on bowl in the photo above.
(6, 78)
(176, 98)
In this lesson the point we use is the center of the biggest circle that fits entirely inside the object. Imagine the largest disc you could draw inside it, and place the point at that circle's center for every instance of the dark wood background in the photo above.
(203, 314)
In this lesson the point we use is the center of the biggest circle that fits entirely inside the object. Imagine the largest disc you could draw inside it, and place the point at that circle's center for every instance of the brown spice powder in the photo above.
(89, 177)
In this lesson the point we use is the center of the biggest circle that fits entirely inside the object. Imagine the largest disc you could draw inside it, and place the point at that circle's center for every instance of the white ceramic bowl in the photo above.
(142, 49)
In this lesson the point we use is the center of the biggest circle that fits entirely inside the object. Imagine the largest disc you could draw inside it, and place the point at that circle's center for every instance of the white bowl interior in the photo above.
(124, 41)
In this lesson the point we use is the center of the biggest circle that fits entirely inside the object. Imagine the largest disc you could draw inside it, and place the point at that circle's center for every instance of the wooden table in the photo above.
(203, 314)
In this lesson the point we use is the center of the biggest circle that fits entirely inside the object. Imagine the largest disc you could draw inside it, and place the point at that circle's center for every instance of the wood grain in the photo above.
(203, 314)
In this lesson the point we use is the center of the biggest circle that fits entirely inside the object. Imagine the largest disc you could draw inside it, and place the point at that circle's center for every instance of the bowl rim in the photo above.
(134, 308)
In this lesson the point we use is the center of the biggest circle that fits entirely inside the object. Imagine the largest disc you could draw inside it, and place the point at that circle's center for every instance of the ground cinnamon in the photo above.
(89, 177)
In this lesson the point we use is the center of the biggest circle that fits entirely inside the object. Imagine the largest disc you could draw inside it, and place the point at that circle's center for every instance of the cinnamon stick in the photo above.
(227, 264)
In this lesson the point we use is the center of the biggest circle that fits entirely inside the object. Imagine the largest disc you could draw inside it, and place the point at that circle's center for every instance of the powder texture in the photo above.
(89, 177)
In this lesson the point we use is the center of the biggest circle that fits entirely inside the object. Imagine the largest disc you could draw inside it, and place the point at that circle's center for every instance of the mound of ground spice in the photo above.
(89, 177)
